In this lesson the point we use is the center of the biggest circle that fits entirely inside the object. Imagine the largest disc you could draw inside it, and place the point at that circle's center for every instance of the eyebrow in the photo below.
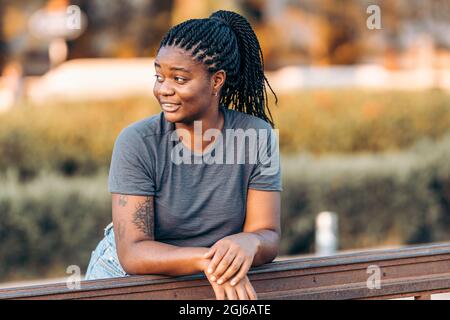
(174, 68)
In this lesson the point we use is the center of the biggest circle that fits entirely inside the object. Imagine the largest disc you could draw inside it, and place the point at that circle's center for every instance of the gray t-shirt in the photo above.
(198, 199)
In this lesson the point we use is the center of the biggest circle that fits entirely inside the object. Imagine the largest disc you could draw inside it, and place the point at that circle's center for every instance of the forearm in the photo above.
(152, 257)
(267, 244)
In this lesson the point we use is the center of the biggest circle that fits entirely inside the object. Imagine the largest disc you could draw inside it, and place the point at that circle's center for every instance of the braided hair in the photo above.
(227, 41)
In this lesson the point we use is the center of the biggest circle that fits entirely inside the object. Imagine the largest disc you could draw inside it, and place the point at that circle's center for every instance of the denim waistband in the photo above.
(109, 235)
(108, 228)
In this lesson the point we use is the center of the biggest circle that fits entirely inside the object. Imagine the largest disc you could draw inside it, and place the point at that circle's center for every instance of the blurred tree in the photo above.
(341, 24)
(2, 39)
(20, 45)
(318, 32)
(199, 9)
(306, 31)
(189, 9)
(121, 28)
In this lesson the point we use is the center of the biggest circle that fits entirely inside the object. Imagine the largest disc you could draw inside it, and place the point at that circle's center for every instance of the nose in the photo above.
(165, 89)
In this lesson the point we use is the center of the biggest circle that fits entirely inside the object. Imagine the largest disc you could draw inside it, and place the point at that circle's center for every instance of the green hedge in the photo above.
(77, 138)
(380, 199)
(71, 138)
(399, 198)
(50, 223)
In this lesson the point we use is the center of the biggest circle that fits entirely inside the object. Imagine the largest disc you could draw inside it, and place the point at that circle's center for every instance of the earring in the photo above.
(215, 94)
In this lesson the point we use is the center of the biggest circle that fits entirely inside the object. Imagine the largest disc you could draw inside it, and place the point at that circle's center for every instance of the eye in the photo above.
(158, 78)
(180, 79)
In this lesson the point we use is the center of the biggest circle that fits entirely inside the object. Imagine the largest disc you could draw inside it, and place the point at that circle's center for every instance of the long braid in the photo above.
(227, 41)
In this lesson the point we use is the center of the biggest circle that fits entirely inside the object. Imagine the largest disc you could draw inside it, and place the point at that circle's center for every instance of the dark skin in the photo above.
(186, 82)
(190, 86)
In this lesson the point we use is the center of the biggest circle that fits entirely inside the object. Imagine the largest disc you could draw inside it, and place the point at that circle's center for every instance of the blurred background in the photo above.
(363, 114)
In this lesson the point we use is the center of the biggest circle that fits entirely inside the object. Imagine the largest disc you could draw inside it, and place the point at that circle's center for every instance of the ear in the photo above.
(218, 80)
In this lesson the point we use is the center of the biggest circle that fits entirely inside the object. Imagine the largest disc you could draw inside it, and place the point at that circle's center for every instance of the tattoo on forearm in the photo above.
(123, 200)
(143, 217)
(120, 230)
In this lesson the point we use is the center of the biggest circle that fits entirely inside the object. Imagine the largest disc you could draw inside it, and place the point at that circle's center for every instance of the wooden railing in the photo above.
(406, 272)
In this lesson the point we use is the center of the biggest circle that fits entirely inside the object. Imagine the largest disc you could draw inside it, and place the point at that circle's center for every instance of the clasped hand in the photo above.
(232, 257)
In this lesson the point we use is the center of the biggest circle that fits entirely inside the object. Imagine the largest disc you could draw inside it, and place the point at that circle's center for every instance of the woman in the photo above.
(183, 205)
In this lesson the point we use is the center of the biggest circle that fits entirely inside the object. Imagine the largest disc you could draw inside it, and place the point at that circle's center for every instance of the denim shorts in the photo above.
(104, 262)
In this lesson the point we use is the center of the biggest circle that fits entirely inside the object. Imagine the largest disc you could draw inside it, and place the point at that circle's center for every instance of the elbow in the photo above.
(272, 253)
(273, 248)
(268, 252)
(129, 268)
(134, 261)
(267, 257)
(129, 260)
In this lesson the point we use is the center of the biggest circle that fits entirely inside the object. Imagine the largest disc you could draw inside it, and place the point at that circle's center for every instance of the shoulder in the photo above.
(240, 120)
(153, 126)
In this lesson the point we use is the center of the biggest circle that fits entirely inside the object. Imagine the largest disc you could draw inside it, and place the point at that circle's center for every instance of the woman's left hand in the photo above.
(232, 256)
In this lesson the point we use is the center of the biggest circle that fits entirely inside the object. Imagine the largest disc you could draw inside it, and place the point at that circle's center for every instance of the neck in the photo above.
(211, 120)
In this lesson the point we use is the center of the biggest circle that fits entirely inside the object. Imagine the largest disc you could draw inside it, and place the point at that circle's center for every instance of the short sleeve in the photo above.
(130, 170)
(266, 174)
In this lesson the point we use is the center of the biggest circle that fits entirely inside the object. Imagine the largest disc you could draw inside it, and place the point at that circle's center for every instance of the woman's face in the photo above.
(183, 87)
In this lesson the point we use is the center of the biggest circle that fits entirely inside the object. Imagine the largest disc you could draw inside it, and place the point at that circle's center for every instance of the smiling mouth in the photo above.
(170, 107)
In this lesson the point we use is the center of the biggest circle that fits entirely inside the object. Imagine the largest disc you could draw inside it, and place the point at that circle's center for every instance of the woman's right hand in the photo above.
(243, 290)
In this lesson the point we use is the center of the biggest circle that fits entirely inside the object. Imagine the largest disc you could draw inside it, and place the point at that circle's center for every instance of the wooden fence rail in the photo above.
(417, 271)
